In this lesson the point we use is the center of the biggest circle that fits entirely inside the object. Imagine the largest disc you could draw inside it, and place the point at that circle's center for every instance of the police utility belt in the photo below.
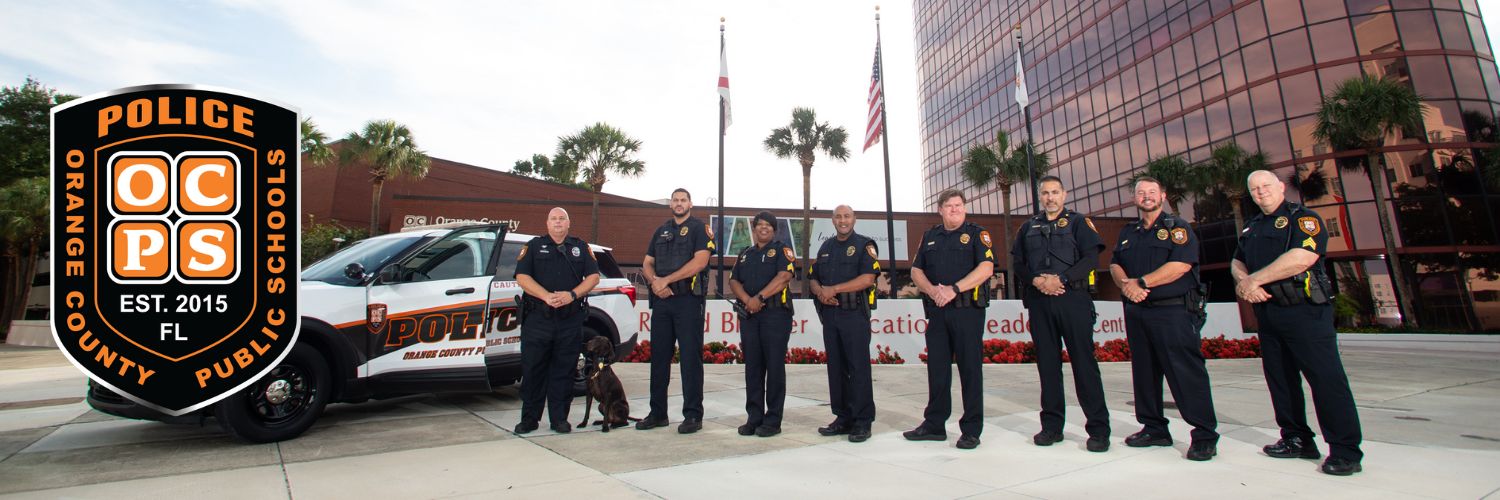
(532, 305)
(775, 302)
(1305, 288)
(978, 298)
(852, 301)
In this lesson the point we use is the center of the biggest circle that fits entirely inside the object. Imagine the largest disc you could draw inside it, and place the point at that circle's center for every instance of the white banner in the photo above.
(900, 324)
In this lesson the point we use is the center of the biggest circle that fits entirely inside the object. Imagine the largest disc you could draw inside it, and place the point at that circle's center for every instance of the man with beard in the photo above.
(555, 271)
(759, 281)
(952, 269)
(1278, 269)
(843, 281)
(674, 265)
(1155, 265)
(1055, 255)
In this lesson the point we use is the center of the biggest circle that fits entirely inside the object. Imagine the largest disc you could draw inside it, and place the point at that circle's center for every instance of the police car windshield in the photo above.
(371, 253)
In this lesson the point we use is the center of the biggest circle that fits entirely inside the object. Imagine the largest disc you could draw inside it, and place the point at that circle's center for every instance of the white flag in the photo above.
(724, 83)
(1021, 97)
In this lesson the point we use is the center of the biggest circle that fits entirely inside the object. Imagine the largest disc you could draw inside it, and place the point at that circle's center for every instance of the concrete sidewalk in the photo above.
(1428, 410)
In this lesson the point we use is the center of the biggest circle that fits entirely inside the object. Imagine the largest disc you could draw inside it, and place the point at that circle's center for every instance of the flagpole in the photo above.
(1030, 144)
(720, 274)
(885, 147)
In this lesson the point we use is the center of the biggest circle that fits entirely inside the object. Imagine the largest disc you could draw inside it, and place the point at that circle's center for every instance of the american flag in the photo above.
(876, 121)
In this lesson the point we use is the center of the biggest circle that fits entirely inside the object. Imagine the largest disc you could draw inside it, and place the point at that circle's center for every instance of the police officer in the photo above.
(1278, 269)
(1055, 255)
(952, 269)
(556, 271)
(1155, 265)
(843, 281)
(759, 281)
(674, 264)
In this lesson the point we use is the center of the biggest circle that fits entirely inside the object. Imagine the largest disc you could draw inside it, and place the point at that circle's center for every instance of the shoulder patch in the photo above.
(984, 237)
(1179, 236)
(1090, 223)
(1309, 225)
(708, 231)
(788, 253)
(871, 249)
(522, 255)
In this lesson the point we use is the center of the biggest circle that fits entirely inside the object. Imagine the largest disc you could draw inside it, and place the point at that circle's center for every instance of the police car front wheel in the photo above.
(281, 405)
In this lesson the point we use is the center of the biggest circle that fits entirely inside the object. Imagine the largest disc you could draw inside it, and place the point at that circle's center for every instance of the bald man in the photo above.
(1278, 269)
(843, 281)
(555, 271)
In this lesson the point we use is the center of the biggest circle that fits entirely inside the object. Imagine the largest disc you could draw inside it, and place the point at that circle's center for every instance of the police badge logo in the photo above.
(964, 238)
(1179, 236)
(849, 252)
(1062, 222)
(682, 232)
(175, 234)
(771, 253)
(1161, 234)
(375, 317)
(576, 252)
(1309, 225)
(1281, 222)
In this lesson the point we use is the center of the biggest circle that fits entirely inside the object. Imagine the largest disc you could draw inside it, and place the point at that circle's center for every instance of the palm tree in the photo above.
(391, 152)
(595, 152)
(1359, 114)
(23, 224)
(801, 139)
(315, 144)
(1226, 171)
(984, 165)
(1176, 177)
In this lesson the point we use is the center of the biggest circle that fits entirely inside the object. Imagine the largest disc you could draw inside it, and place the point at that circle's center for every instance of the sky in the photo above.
(489, 83)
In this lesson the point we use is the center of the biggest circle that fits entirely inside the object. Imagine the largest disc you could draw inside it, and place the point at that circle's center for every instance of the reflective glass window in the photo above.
(1454, 31)
(1323, 10)
(1375, 34)
(1418, 30)
(1282, 15)
(1251, 22)
(1300, 93)
(1258, 62)
(1291, 50)
(1430, 76)
(1466, 77)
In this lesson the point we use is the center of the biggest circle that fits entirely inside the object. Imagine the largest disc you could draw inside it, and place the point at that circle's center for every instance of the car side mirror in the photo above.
(355, 271)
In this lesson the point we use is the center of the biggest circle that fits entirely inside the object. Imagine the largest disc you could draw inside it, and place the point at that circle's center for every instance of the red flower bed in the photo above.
(885, 356)
(1005, 351)
(720, 353)
(805, 356)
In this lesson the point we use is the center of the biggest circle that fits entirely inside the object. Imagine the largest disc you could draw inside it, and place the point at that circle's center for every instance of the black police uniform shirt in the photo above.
(1267, 236)
(757, 266)
(1142, 250)
(673, 245)
(948, 256)
(840, 261)
(557, 267)
(1067, 246)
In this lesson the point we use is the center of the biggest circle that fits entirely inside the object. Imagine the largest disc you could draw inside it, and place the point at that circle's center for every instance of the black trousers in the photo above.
(1164, 344)
(851, 393)
(763, 337)
(1067, 320)
(677, 321)
(953, 335)
(549, 354)
(1296, 342)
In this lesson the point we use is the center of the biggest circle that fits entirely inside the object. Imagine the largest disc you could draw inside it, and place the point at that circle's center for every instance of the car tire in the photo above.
(281, 405)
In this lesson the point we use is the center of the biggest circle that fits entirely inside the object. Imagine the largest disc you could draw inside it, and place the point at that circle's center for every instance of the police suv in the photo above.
(428, 309)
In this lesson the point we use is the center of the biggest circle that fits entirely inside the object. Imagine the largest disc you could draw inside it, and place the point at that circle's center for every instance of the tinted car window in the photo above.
(372, 254)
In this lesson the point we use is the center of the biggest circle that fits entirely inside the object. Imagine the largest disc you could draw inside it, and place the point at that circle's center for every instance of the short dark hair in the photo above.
(1145, 178)
(948, 194)
(683, 191)
(1050, 178)
(764, 216)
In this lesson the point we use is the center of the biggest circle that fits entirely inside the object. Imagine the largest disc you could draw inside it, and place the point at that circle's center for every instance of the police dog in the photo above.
(604, 385)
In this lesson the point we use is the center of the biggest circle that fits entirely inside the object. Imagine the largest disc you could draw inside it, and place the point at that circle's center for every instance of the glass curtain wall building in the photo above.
(1116, 83)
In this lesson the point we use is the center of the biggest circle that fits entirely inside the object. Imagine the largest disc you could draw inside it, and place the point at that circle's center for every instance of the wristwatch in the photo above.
(956, 290)
(1142, 283)
(574, 295)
